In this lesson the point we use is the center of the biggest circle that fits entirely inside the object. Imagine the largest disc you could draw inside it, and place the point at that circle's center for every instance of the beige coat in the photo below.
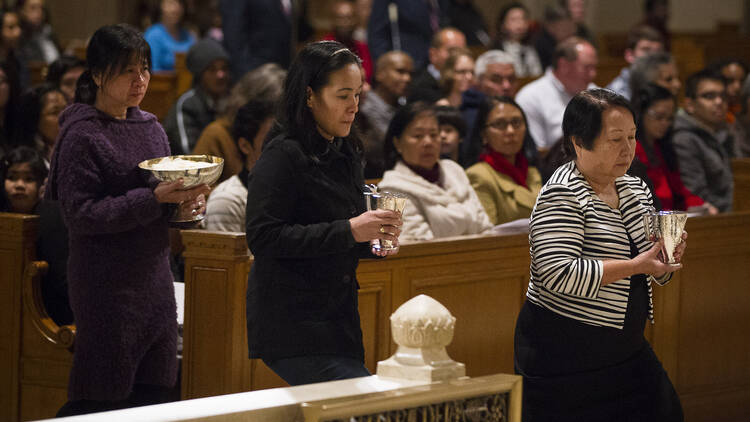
(433, 211)
(502, 198)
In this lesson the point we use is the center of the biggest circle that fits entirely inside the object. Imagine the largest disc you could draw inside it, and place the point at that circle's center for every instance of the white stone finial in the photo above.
(422, 328)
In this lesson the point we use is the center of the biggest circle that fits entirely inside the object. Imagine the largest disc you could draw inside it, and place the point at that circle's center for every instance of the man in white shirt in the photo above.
(544, 100)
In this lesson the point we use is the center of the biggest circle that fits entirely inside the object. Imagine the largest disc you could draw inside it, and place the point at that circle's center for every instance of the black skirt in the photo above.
(580, 372)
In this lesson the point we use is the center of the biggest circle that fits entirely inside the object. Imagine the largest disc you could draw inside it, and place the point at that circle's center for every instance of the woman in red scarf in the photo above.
(505, 183)
(655, 160)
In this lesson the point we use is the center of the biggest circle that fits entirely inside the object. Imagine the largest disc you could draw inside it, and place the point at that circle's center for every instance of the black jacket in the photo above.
(187, 118)
(302, 289)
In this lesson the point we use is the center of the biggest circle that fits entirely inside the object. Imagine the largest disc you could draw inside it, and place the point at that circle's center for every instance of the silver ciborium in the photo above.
(668, 226)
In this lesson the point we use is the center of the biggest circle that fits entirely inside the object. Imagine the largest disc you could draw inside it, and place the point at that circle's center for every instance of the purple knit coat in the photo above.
(119, 277)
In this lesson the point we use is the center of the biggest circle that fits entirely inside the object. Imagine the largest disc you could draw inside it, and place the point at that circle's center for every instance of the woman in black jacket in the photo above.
(307, 226)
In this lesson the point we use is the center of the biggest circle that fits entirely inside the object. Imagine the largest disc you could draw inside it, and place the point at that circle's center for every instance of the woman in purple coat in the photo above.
(119, 278)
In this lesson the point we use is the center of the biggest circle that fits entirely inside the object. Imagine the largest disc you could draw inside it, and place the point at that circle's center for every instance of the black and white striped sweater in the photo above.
(572, 232)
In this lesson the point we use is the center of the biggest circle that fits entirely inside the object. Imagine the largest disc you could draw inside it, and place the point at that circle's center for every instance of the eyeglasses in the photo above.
(712, 95)
(660, 116)
(502, 124)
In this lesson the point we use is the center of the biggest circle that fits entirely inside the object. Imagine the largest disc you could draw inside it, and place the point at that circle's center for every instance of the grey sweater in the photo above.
(704, 158)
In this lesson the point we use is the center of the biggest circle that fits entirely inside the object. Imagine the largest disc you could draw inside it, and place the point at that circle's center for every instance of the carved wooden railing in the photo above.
(61, 336)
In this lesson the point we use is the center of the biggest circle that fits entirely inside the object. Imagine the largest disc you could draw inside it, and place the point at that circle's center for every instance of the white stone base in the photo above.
(446, 371)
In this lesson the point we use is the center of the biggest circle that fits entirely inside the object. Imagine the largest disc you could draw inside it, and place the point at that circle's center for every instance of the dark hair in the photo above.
(61, 66)
(504, 13)
(582, 121)
(250, 117)
(110, 50)
(645, 98)
(691, 85)
(485, 108)
(448, 115)
(30, 111)
(20, 155)
(642, 101)
(312, 69)
(643, 32)
(403, 117)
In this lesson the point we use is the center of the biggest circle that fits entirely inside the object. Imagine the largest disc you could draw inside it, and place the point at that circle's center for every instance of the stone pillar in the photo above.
(422, 328)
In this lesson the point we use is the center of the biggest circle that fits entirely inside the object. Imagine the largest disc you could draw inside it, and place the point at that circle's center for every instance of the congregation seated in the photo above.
(507, 186)
(544, 100)
(702, 140)
(168, 35)
(655, 160)
(225, 209)
(441, 202)
(23, 172)
(216, 139)
(197, 108)
(513, 36)
(642, 41)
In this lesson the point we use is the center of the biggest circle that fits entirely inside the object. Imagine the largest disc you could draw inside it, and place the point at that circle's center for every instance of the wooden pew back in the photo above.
(482, 281)
(34, 356)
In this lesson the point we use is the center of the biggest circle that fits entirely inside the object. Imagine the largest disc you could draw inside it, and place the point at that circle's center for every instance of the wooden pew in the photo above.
(482, 281)
(34, 352)
(741, 175)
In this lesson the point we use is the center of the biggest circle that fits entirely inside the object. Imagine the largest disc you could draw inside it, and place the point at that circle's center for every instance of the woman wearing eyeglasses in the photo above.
(655, 158)
(441, 201)
(456, 77)
(504, 181)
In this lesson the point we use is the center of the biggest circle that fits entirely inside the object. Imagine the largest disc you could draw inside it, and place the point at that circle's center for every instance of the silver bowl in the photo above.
(190, 177)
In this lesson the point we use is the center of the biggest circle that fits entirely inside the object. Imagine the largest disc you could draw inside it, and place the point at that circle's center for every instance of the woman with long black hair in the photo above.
(307, 225)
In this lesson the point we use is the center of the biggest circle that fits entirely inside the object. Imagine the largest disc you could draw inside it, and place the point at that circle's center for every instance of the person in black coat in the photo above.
(307, 226)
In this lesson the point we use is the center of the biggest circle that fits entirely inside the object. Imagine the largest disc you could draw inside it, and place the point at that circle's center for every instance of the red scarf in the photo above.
(501, 165)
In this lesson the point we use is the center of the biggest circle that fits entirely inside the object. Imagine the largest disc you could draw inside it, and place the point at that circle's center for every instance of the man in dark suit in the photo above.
(261, 31)
(425, 86)
(406, 25)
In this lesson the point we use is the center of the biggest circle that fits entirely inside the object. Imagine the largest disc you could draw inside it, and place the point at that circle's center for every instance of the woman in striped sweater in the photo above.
(579, 337)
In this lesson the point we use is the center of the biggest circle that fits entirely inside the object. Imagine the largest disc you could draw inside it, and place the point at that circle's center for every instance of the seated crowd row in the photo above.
(468, 151)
